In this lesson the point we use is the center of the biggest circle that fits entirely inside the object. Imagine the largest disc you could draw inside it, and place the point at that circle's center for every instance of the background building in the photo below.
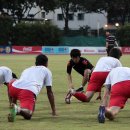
(76, 20)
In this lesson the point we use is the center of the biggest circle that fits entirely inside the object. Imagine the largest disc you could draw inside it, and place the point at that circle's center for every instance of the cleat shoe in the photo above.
(68, 97)
(13, 112)
(101, 114)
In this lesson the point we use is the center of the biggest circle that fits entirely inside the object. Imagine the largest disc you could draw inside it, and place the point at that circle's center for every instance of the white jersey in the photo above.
(106, 64)
(117, 75)
(5, 75)
(34, 78)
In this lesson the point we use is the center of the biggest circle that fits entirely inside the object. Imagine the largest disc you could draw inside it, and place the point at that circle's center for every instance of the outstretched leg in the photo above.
(16, 110)
(112, 112)
(84, 97)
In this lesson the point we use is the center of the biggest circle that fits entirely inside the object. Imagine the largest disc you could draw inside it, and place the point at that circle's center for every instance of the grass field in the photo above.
(74, 116)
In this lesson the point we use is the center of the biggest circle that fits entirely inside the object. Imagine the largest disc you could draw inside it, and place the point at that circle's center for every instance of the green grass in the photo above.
(76, 116)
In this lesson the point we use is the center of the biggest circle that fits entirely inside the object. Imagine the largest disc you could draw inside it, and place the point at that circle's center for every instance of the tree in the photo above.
(46, 5)
(19, 9)
(123, 35)
(118, 10)
(65, 6)
(73, 6)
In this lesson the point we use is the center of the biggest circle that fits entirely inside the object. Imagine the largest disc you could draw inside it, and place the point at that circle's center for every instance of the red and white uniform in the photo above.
(5, 75)
(118, 81)
(34, 78)
(100, 72)
(29, 85)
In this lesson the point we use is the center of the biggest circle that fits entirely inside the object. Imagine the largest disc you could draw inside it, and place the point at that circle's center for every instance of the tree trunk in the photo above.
(66, 28)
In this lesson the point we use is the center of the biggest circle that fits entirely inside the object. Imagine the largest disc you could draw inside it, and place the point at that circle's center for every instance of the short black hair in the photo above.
(115, 52)
(41, 59)
(14, 75)
(75, 53)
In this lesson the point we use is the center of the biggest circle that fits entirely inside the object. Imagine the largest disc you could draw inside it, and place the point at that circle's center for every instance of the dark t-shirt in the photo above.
(80, 66)
(111, 40)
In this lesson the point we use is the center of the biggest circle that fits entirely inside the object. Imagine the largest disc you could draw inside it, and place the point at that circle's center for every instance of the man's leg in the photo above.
(16, 110)
(111, 112)
(80, 89)
(84, 97)
(27, 104)
(85, 79)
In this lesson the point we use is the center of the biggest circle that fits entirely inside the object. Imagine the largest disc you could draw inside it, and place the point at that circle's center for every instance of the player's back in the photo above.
(5, 74)
(105, 64)
(33, 78)
(119, 74)
(34, 73)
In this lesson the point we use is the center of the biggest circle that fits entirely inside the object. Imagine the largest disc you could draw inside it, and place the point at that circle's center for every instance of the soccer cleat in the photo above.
(12, 114)
(68, 97)
(101, 114)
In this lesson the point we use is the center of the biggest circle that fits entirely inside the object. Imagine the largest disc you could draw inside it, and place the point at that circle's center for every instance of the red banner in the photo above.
(126, 50)
(27, 49)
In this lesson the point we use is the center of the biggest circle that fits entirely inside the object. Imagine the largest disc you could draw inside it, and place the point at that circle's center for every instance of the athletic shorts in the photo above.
(26, 98)
(97, 80)
(120, 92)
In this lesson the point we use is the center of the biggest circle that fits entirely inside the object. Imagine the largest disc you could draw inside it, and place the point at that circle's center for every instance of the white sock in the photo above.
(81, 86)
(17, 108)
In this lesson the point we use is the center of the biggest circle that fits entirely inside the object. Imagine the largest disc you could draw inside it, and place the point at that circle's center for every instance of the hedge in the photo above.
(123, 35)
(28, 33)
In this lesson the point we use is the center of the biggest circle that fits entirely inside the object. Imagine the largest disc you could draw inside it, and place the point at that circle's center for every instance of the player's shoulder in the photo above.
(45, 69)
(37, 68)
(114, 59)
(83, 59)
(5, 68)
(108, 57)
(70, 62)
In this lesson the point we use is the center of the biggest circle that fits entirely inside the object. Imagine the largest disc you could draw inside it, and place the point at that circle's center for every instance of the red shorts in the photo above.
(27, 98)
(97, 80)
(120, 92)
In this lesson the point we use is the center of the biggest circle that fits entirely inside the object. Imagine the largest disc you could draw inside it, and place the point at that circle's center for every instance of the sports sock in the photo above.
(80, 96)
(80, 89)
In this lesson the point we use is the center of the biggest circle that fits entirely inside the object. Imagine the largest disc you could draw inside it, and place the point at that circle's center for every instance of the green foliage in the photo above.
(19, 9)
(35, 34)
(5, 30)
(47, 5)
(123, 35)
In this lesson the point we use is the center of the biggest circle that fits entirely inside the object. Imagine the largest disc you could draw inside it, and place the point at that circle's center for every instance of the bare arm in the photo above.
(51, 99)
(105, 97)
(70, 84)
(106, 44)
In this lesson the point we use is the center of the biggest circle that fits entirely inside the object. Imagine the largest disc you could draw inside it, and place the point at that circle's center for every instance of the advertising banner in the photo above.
(55, 50)
(126, 50)
(5, 49)
(90, 50)
(27, 49)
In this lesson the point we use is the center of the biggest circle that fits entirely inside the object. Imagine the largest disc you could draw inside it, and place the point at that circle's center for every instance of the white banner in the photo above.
(90, 50)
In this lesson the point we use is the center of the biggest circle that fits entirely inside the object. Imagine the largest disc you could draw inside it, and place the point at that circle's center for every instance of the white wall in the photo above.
(94, 20)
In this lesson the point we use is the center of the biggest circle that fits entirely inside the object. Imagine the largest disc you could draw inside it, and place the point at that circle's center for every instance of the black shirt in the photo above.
(111, 40)
(80, 66)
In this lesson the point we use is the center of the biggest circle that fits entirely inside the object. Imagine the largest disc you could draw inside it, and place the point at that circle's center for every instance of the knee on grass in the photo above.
(27, 114)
